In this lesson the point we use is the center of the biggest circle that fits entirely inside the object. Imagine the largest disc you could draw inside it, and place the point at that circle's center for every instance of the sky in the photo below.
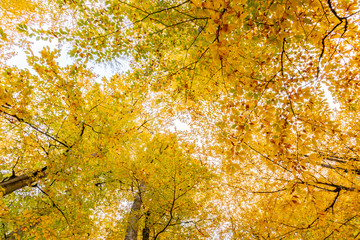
(107, 70)
(103, 70)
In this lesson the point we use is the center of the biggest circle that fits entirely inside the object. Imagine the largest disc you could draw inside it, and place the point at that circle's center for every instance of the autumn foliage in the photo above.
(269, 90)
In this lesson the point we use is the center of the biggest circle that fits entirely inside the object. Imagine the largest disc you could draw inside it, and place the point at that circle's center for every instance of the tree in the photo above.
(81, 147)
(254, 80)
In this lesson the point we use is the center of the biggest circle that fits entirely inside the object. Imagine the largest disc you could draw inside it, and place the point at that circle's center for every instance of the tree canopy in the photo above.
(269, 90)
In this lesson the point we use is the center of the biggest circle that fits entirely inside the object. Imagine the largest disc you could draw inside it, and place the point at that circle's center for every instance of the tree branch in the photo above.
(19, 182)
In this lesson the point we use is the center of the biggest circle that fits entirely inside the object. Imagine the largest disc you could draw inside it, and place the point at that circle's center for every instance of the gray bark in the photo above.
(133, 223)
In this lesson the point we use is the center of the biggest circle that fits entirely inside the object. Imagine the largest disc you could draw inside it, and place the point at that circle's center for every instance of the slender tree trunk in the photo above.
(146, 229)
(16, 183)
(133, 223)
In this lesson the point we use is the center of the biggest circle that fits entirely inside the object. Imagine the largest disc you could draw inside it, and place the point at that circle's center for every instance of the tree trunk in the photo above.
(13, 184)
(132, 228)
(146, 229)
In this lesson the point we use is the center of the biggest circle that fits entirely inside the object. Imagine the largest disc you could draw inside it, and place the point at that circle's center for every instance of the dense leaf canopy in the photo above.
(269, 90)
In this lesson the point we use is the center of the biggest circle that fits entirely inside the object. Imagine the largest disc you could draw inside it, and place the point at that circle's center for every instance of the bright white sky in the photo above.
(104, 70)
